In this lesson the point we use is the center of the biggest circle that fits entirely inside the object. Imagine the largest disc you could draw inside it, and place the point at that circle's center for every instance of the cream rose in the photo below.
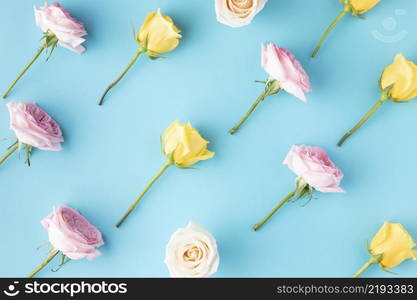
(192, 252)
(237, 13)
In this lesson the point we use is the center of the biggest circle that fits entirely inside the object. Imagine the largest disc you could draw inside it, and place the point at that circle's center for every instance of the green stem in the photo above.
(283, 201)
(384, 97)
(132, 62)
(24, 70)
(51, 255)
(12, 149)
(167, 164)
(375, 259)
(246, 116)
(346, 9)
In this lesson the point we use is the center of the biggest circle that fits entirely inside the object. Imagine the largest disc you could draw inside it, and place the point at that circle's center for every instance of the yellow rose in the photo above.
(398, 83)
(362, 6)
(394, 243)
(157, 35)
(160, 32)
(185, 145)
(401, 76)
(390, 246)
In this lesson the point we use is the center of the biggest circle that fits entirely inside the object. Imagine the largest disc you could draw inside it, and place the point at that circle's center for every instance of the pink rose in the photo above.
(282, 66)
(72, 234)
(34, 127)
(315, 171)
(314, 166)
(55, 18)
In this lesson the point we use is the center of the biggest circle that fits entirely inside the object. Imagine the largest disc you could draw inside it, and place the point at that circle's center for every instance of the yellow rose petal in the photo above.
(160, 32)
(185, 145)
(362, 6)
(394, 243)
(401, 75)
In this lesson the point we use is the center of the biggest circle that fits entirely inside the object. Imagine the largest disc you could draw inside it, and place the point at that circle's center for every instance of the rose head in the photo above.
(282, 66)
(394, 243)
(401, 77)
(159, 32)
(362, 6)
(192, 252)
(72, 234)
(56, 19)
(34, 127)
(185, 145)
(237, 13)
(314, 166)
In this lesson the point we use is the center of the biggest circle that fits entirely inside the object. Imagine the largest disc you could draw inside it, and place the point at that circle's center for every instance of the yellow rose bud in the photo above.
(184, 145)
(362, 6)
(394, 243)
(159, 32)
(390, 247)
(401, 76)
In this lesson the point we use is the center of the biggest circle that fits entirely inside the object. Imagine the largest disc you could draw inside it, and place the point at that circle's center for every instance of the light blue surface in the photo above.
(111, 152)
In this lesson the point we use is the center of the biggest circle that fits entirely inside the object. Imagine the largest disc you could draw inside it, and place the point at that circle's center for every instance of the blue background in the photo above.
(111, 152)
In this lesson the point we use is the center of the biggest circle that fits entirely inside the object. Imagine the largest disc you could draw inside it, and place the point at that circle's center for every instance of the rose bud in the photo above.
(390, 247)
(237, 13)
(397, 83)
(59, 27)
(157, 35)
(70, 234)
(361, 6)
(285, 73)
(183, 146)
(33, 128)
(355, 7)
(192, 252)
(315, 171)
(401, 79)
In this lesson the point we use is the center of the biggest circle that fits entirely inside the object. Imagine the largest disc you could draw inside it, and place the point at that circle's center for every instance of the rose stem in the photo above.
(283, 201)
(51, 255)
(375, 259)
(251, 109)
(166, 165)
(384, 97)
(24, 70)
(332, 25)
(139, 52)
(12, 149)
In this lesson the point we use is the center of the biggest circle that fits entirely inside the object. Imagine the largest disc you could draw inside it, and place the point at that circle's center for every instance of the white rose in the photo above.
(192, 252)
(237, 13)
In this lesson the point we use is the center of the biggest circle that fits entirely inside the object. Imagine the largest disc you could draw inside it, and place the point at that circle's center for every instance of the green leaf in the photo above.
(388, 271)
(64, 260)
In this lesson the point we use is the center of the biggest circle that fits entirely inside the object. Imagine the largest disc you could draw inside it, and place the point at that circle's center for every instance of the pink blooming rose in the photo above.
(72, 234)
(34, 127)
(55, 18)
(282, 66)
(315, 167)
